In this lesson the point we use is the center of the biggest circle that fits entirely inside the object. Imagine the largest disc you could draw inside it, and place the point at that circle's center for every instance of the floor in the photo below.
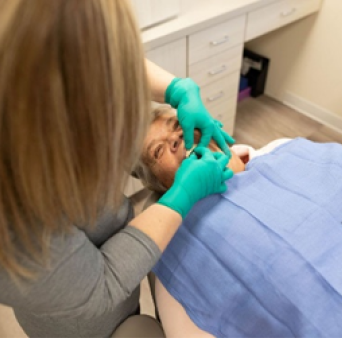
(259, 121)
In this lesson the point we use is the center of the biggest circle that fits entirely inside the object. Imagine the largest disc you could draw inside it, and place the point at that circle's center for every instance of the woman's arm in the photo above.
(85, 282)
(158, 222)
(159, 80)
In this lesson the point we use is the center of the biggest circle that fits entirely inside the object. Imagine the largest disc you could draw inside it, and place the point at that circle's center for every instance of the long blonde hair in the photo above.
(74, 100)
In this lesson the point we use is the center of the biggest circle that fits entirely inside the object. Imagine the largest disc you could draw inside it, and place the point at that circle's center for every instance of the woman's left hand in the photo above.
(184, 95)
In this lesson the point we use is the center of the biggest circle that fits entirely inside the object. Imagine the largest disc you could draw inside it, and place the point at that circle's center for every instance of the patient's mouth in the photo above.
(182, 147)
(176, 144)
(183, 150)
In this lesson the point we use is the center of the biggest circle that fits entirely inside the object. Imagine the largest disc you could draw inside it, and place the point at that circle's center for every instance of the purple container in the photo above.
(244, 93)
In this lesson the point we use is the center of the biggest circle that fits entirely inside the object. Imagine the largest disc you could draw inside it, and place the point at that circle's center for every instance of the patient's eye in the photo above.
(176, 125)
(158, 151)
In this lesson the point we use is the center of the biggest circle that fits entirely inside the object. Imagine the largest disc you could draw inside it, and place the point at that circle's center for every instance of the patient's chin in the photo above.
(167, 181)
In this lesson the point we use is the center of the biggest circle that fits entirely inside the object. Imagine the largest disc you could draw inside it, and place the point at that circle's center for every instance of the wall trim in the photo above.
(313, 111)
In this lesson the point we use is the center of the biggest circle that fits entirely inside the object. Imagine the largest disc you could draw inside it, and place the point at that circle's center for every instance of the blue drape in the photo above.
(264, 259)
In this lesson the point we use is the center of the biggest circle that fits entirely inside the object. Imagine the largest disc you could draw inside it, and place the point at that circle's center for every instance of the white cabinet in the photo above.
(171, 57)
(152, 12)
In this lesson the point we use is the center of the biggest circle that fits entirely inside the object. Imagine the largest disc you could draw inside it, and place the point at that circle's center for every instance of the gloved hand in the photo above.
(196, 179)
(184, 95)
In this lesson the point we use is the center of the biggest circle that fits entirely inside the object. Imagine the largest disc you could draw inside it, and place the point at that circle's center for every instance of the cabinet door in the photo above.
(171, 57)
(152, 12)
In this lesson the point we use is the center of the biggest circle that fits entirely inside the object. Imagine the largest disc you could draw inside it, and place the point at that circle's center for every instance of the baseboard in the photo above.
(313, 111)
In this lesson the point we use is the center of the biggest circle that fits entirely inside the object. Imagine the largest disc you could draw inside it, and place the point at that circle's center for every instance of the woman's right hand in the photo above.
(202, 174)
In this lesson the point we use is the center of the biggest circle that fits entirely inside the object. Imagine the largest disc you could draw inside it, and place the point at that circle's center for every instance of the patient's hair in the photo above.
(142, 169)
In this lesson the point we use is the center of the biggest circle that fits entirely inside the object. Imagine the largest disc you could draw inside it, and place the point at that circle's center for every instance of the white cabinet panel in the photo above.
(171, 57)
(152, 12)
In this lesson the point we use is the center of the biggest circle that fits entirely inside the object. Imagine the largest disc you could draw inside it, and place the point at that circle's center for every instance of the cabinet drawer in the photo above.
(216, 39)
(216, 67)
(278, 14)
(225, 112)
(221, 90)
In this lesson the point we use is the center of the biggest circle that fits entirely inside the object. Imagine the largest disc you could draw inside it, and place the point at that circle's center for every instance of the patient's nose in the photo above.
(175, 141)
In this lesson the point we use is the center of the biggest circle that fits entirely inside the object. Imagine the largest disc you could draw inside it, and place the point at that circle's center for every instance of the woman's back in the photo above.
(80, 294)
(263, 259)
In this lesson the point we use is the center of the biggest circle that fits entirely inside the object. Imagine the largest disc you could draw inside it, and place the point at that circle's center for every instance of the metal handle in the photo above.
(289, 12)
(221, 41)
(218, 71)
(216, 96)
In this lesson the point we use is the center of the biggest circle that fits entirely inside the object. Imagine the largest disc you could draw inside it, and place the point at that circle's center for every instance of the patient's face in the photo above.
(164, 149)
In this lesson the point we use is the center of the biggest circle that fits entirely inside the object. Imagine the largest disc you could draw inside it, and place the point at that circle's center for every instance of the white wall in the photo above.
(306, 61)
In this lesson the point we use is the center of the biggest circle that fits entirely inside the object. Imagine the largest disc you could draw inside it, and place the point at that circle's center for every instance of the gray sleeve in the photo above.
(82, 279)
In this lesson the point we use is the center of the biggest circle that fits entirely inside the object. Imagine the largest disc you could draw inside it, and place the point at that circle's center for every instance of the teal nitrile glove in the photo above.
(196, 179)
(184, 95)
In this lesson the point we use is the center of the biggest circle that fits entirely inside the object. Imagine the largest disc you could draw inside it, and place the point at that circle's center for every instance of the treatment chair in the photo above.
(142, 326)
(139, 326)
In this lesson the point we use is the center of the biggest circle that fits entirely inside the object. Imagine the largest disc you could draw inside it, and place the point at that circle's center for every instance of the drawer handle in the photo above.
(288, 13)
(221, 41)
(216, 96)
(218, 70)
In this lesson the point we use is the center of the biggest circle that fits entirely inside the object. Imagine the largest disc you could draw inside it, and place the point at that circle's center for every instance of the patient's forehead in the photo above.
(162, 124)
(164, 117)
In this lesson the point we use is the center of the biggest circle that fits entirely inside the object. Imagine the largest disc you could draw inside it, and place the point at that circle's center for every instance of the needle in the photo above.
(187, 154)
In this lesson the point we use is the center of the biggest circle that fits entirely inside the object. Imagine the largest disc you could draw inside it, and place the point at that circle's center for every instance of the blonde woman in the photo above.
(74, 93)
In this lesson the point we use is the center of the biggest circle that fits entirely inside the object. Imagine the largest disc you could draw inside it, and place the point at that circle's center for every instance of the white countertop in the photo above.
(206, 14)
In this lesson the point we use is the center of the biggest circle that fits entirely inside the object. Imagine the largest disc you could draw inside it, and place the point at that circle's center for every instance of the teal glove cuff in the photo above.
(169, 92)
(178, 200)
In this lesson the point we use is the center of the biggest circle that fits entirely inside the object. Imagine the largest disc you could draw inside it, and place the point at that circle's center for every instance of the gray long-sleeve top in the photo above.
(91, 284)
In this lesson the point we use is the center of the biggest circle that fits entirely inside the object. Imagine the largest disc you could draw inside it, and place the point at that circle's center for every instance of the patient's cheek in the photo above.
(165, 172)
